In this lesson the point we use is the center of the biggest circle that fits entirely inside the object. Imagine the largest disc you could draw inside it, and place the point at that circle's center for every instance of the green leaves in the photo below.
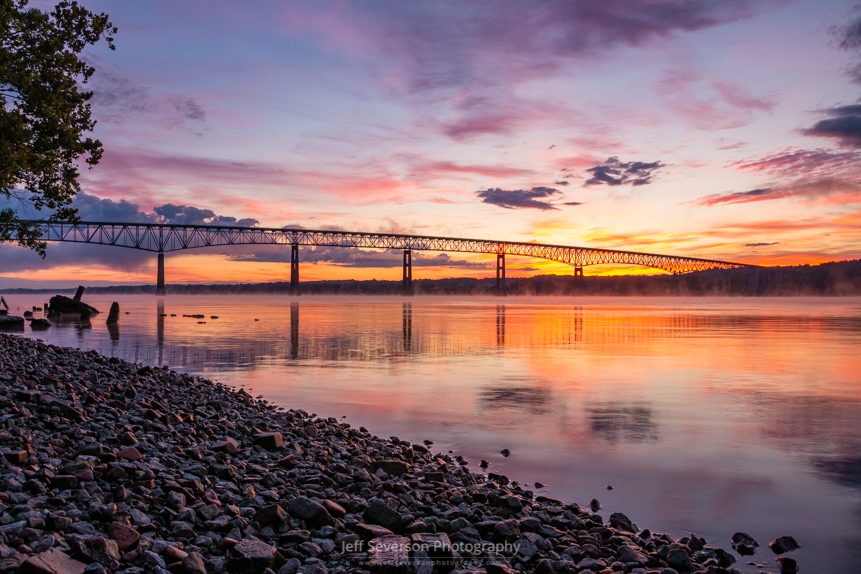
(44, 112)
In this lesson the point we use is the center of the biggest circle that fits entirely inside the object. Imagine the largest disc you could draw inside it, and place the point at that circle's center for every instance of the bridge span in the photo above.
(163, 238)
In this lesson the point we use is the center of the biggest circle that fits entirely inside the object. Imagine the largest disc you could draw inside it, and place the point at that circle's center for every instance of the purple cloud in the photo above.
(844, 125)
(520, 198)
(614, 172)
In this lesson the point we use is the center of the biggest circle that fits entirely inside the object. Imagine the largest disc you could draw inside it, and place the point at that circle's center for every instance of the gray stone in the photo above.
(251, 557)
(54, 561)
(312, 512)
(783, 544)
(378, 512)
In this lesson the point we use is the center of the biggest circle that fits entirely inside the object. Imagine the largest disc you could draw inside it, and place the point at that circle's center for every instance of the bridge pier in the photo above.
(408, 272)
(578, 271)
(294, 269)
(159, 281)
(500, 274)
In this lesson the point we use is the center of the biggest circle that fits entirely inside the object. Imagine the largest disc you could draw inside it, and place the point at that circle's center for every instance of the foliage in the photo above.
(44, 110)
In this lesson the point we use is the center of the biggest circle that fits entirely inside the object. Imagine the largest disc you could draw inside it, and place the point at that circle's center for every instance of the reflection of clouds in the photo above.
(528, 399)
(844, 471)
(617, 421)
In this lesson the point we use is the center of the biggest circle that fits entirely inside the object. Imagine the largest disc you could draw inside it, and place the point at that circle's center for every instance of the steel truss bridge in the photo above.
(164, 238)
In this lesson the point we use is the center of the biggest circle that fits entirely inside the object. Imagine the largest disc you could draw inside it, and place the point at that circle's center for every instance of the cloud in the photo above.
(116, 98)
(188, 215)
(761, 244)
(804, 163)
(189, 109)
(519, 198)
(614, 172)
(572, 203)
(737, 98)
(449, 47)
(844, 125)
(443, 169)
(823, 189)
(94, 209)
(850, 35)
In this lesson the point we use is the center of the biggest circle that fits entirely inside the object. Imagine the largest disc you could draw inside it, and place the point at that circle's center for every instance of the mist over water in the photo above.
(705, 415)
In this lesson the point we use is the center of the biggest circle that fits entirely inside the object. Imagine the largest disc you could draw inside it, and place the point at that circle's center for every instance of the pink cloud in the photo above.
(717, 105)
(823, 190)
(441, 169)
(738, 98)
(794, 162)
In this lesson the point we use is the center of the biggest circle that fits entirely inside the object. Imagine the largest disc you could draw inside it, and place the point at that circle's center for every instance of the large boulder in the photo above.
(11, 323)
(65, 308)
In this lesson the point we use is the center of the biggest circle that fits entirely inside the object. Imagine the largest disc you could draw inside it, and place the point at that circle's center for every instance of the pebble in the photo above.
(112, 467)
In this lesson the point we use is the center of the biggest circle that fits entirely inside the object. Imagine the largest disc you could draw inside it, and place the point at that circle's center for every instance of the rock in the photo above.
(787, 565)
(505, 452)
(15, 456)
(334, 509)
(130, 453)
(389, 555)
(193, 564)
(744, 544)
(114, 314)
(370, 531)
(269, 440)
(251, 557)
(679, 559)
(64, 481)
(378, 512)
(62, 308)
(54, 561)
(783, 544)
(11, 323)
(312, 512)
(595, 505)
(392, 467)
(622, 522)
(272, 515)
(125, 536)
(228, 445)
(629, 554)
(105, 552)
(39, 324)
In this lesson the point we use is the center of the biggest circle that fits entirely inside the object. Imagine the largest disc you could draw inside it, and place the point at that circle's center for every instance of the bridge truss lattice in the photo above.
(163, 238)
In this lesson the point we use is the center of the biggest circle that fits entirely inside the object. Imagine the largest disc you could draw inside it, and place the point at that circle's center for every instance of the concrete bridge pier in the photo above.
(294, 269)
(408, 272)
(578, 271)
(159, 281)
(500, 274)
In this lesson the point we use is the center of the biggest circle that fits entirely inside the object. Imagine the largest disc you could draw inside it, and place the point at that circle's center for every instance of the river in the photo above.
(690, 415)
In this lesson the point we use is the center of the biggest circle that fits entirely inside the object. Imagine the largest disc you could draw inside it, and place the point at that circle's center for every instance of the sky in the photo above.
(722, 130)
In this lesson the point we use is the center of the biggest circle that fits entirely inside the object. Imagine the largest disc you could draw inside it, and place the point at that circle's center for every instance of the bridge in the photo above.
(164, 238)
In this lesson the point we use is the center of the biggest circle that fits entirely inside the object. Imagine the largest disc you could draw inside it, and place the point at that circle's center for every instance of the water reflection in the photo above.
(524, 399)
(618, 421)
(708, 417)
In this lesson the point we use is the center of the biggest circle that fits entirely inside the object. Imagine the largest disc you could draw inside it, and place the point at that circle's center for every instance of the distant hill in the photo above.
(835, 278)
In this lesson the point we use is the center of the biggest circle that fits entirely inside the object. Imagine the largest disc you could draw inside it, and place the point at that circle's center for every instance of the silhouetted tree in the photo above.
(44, 112)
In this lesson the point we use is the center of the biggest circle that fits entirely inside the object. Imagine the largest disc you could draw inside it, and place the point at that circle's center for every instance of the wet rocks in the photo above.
(116, 467)
(744, 544)
(11, 323)
(783, 544)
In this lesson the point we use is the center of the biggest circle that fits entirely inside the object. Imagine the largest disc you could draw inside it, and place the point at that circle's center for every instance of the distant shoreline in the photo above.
(828, 279)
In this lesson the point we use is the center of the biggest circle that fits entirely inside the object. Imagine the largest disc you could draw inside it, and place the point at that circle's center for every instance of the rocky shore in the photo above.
(109, 466)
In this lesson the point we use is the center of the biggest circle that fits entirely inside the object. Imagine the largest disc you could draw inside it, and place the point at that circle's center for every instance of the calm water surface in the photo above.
(709, 416)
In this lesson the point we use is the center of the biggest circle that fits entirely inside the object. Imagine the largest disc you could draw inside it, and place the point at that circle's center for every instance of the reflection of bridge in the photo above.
(161, 238)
